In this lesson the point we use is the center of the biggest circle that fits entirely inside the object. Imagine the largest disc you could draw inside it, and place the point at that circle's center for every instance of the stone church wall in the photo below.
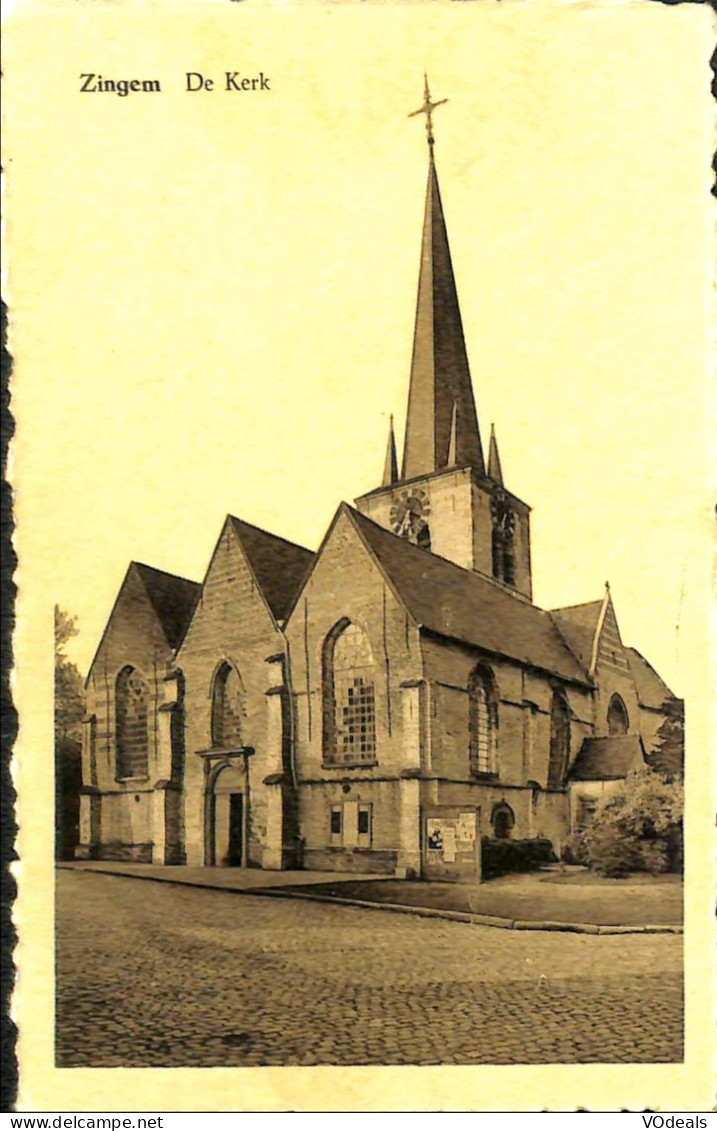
(232, 623)
(123, 826)
(347, 585)
(126, 822)
(614, 677)
(315, 805)
(523, 743)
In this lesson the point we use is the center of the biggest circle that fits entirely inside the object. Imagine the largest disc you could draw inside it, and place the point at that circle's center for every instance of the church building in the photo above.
(384, 703)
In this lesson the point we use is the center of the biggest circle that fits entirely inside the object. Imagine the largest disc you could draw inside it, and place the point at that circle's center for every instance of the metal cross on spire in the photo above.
(428, 108)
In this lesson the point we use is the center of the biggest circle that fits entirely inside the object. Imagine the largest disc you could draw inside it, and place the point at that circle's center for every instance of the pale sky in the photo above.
(214, 293)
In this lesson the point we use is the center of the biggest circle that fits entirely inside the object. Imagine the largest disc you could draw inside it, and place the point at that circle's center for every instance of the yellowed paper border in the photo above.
(344, 77)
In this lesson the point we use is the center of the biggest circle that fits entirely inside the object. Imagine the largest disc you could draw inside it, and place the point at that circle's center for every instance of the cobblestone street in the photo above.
(161, 975)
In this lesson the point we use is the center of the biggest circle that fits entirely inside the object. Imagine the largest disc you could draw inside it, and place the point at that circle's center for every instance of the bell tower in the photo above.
(445, 500)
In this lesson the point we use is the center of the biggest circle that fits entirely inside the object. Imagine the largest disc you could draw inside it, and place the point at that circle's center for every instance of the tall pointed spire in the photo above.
(440, 375)
(494, 469)
(453, 442)
(390, 467)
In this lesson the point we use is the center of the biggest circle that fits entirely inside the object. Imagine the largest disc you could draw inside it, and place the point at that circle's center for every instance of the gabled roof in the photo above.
(607, 759)
(577, 625)
(279, 566)
(652, 691)
(173, 599)
(466, 606)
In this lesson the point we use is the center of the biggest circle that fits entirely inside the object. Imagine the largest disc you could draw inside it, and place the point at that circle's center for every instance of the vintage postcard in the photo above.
(361, 367)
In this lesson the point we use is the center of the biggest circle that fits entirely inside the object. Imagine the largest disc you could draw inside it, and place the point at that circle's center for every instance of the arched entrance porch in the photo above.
(226, 815)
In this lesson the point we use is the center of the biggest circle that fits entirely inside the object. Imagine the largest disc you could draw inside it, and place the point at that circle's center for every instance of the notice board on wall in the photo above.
(451, 843)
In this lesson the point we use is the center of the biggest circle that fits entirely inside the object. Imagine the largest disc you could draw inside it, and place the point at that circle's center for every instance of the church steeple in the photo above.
(494, 469)
(390, 467)
(440, 375)
(443, 501)
(453, 442)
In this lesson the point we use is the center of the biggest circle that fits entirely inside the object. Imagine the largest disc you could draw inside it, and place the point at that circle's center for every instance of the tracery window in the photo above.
(227, 708)
(483, 721)
(559, 740)
(618, 721)
(349, 696)
(131, 728)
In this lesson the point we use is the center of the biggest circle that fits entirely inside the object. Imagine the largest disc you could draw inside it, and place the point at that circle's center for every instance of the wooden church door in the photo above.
(227, 816)
(236, 829)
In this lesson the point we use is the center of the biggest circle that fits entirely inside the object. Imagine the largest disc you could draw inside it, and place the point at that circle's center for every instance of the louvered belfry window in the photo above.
(131, 725)
(503, 540)
(227, 708)
(349, 698)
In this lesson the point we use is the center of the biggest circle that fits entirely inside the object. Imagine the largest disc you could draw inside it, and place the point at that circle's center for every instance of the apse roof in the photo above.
(466, 606)
(610, 758)
(279, 566)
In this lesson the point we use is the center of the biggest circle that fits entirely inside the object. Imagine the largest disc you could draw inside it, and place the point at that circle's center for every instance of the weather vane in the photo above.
(428, 108)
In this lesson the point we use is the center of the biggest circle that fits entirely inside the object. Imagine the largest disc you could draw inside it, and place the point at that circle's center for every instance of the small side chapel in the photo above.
(382, 704)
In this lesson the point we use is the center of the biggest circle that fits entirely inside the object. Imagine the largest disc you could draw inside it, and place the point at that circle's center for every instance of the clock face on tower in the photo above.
(409, 515)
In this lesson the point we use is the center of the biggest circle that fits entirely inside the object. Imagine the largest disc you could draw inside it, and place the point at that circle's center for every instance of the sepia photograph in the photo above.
(361, 364)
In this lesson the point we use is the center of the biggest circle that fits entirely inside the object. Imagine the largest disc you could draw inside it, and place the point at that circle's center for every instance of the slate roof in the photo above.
(173, 599)
(601, 759)
(466, 606)
(652, 691)
(441, 405)
(279, 566)
(577, 625)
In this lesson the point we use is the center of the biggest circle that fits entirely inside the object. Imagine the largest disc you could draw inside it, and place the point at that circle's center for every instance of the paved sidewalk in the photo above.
(508, 902)
(224, 879)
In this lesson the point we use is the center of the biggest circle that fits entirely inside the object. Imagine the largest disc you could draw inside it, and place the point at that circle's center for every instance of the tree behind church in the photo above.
(69, 709)
(638, 827)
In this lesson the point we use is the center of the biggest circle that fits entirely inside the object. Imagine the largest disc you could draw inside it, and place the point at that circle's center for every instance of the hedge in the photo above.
(501, 856)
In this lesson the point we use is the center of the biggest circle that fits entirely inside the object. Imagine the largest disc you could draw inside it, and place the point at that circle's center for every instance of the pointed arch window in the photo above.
(483, 721)
(618, 721)
(227, 708)
(131, 724)
(559, 740)
(349, 706)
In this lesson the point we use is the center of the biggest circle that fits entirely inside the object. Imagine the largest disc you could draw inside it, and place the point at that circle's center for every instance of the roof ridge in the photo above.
(498, 585)
(579, 605)
(464, 605)
(270, 534)
(571, 647)
(164, 572)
